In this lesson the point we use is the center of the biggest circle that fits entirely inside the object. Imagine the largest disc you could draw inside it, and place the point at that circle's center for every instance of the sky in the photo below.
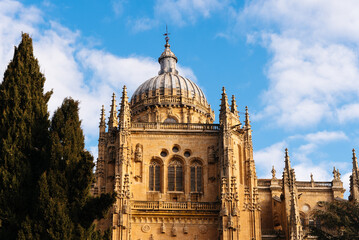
(293, 63)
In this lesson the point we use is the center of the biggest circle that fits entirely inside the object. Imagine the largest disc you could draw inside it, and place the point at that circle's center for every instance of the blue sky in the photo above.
(294, 63)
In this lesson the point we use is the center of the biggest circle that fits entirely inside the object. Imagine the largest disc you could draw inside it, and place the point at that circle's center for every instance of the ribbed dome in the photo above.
(167, 91)
(169, 84)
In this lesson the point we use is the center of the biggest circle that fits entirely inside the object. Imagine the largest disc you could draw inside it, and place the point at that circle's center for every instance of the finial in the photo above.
(124, 92)
(355, 161)
(273, 172)
(287, 161)
(247, 122)
(112, 123)
(124, 97)
(166, 34)
(103, 118)
(354, 156)
(224, 101)
(234, 105)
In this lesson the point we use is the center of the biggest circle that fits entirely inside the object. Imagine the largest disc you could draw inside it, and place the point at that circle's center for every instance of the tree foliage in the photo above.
(339, 220)
(24, 137)
(45, 170)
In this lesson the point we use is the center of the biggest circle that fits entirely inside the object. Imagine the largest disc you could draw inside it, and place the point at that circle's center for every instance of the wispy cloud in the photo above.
(301, 155)
(142, 24)
(118, 6)
(182, 12)
(178, 13)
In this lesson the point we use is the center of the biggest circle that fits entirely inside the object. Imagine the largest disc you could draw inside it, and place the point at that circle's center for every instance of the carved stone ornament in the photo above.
(185, 229)
(224, 211)
(138, 153)
(145, 228)
(174, 231)
(163, 228)
(211, 155)
(203, 229)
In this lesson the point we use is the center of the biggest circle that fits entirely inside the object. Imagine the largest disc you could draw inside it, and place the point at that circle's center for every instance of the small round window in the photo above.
(175, 149)
(187, 153)
(164, 153)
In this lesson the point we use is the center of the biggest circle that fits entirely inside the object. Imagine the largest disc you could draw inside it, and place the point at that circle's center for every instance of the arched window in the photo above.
(170, 120)
(196, 177)
(175, 176)
(155, 175)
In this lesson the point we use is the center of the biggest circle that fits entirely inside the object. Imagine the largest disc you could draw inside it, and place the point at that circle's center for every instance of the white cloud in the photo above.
(268, 157)
(300, 155)
(118, 6)
(142, 24)
(348, 112)
(178, 12)
(314, 67)
(15, 18)
(320, 172)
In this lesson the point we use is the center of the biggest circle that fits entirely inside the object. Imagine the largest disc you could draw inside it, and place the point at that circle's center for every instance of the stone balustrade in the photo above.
(175, 126)
(176, 206)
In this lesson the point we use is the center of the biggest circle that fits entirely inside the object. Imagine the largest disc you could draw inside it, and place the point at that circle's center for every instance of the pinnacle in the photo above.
(247, 121)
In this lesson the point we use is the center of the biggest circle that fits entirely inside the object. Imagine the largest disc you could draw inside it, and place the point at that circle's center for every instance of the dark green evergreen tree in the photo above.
(339, 220)
(24, 137)
(65, 209)
(45, 171)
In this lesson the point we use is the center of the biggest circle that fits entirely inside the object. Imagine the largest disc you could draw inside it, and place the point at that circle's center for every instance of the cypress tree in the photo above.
(45, 171)
(24, 137)
(66, 209)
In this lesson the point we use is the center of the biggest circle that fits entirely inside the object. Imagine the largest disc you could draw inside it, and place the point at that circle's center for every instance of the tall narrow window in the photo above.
(175, 176)
(196, 177)
(155, 174)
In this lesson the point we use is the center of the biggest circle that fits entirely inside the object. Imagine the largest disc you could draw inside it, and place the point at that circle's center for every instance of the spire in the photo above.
(247, 123)
(234, 106)
(224, 101)
(355, 161)
(112, 122)
(287, 160)
(167, 59)
(354, 180)
(102, 120)
(124, 98)
(125, 114)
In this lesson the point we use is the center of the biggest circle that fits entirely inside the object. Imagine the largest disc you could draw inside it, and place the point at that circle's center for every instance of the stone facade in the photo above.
(180, 176)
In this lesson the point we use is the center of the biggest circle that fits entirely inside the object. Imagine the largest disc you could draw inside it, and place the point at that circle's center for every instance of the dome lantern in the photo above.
(170, 96)
(167, 59)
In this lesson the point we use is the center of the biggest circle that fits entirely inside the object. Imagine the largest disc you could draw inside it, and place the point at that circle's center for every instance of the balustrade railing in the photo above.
(176, 126)
(314, 184)
(161, 205)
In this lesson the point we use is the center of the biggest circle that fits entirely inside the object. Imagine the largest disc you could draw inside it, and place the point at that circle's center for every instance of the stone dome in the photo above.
(169, 89)
(169, 84)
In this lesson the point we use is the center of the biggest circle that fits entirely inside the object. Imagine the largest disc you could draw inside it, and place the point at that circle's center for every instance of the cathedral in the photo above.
(178, 175)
